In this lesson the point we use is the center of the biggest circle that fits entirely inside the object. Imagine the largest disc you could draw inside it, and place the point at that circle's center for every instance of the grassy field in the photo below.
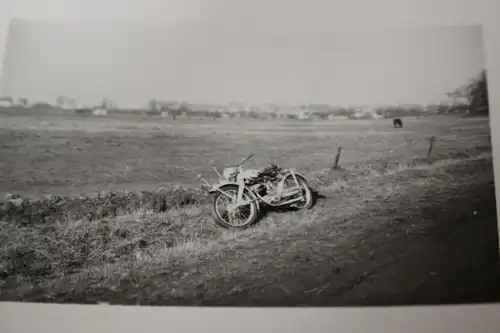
(74, 155)
(392, 227)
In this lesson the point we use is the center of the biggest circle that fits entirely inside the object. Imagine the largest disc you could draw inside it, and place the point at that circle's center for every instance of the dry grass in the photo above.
(80, 260)
(176, 254)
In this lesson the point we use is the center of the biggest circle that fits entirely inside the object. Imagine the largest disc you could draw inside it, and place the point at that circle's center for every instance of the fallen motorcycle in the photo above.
(239, 194)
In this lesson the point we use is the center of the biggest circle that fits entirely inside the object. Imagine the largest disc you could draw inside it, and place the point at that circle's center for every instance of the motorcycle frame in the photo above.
(256, 197)
(222, 181)
(281, 183)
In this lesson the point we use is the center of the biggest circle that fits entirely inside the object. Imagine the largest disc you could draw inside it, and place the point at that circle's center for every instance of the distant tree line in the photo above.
(470, 98)
(474, 94)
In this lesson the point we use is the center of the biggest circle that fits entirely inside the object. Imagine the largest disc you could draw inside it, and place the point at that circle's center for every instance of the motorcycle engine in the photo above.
(261, 189)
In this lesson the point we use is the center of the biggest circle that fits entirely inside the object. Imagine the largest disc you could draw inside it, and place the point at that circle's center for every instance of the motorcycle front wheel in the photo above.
(239, 218)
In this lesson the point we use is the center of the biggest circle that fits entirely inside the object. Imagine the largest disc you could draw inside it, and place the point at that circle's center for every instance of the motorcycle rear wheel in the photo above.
(307, 194)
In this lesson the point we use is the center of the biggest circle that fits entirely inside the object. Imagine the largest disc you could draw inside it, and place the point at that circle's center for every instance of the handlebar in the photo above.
(245, 159)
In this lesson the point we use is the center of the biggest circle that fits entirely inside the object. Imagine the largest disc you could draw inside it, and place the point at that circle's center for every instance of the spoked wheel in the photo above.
(228, 215)
(305, 193)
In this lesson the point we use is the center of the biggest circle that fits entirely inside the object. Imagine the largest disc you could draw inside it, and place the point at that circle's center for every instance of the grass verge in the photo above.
(175, 256)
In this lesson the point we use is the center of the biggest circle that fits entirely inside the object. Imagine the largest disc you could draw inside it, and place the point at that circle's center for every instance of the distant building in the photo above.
(6, 101)
(99, 111)
(335, 117)
(22, 102)
(164, 105)
(304, 115)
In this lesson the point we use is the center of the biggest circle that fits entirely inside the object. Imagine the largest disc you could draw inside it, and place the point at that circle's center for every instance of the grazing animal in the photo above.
(397, 123)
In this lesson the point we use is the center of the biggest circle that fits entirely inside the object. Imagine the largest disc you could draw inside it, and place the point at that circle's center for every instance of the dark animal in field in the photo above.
(397, 123)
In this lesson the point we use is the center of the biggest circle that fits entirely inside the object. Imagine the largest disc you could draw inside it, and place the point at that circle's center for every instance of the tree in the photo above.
(174, 113)
(153, 104)
(105, 103)
(23, 101)
(479, 94)
(60, 101)
(475, 93)
(184, 108)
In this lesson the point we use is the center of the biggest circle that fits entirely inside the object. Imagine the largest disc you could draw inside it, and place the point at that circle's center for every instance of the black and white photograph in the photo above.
(210, 166)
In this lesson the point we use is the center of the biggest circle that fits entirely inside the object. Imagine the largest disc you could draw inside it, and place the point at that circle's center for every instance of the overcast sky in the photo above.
(202, 56)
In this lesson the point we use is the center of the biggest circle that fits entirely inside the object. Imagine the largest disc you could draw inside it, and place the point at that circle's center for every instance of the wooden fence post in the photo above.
(337, 158)
(432, 139)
